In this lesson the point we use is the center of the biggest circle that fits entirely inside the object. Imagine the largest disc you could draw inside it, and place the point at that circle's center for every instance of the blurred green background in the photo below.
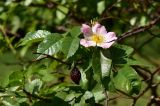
(17, 17)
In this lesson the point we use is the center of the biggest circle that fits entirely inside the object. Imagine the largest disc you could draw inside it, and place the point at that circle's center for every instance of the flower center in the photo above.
(97, 38)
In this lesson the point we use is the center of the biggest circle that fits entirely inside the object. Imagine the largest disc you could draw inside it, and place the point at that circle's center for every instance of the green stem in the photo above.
(7, 40)
(107, 98)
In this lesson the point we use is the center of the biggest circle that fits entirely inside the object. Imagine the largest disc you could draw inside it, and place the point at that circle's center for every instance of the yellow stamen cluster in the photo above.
(97, 38)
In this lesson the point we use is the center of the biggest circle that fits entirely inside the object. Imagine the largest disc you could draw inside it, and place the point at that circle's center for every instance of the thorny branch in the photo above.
(139, 29)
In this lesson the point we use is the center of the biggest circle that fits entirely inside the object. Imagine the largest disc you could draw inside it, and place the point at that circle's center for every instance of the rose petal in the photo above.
(110, 36)
(102, 30)
(86, 30)
(109, 39)
(95, 27)
(106, 45)
(87, 43)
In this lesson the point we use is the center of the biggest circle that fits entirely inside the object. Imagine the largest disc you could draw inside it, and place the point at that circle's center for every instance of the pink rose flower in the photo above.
(97, 36)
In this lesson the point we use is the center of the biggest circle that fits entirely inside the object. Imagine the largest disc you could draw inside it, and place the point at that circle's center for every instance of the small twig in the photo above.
(51, 57)
(138, 29)
(146, 42)
(36, 96)
(107, 98)
(156, 84)
(134, 102)
(157, 70)
(125, 94)
(7, 40)
(60, 73)
(140, 95)
(143, 92)
(154, 35)
(104, 13)
(110, 99)
(145, 74)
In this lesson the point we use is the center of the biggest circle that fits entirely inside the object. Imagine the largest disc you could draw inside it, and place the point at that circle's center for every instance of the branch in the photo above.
(157, 70)
(129, 96)
(51, 57)
(107, 98)
(113, 98)
(138, 29)
(144, 73)
(152, 34)
(7, 40)
(36, 96)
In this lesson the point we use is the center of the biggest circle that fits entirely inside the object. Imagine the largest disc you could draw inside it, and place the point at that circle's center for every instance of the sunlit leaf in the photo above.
(101, 64)
(106, 63)
(98, 93)
(51, 44)
(88, 96)
(127, 80)
(100, 6)
(35, 36)
(84, 80)
(33, 86)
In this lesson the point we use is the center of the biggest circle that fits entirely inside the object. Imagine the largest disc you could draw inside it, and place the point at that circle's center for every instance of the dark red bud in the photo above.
(75, 75)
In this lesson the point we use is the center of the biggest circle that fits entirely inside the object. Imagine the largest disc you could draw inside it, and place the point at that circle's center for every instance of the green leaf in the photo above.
(75, 31)
(32, 37)
(61, 94)
(13, 88)
(1, 37)
(50, 45)
(84, 80)
(27, 2)
(136, 62)
(71, 98)
(70, 46)
(15, 78)
(56, 101)
(101, 64)
(120, 53)
(88, 96)
(16, 75)
(100, 7)
(96, 65)
(61, 12)
(98, 93)
(127, 80)
(106, 63)
(33, 86)
(9, 102)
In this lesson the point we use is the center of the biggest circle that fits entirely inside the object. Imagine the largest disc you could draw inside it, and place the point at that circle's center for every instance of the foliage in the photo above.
(39, 49)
